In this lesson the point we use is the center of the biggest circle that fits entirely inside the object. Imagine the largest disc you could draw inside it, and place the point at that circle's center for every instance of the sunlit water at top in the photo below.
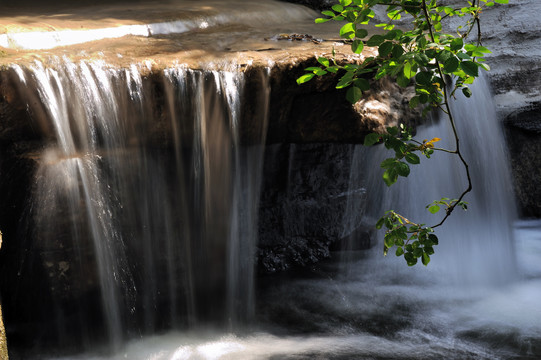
(161, 18)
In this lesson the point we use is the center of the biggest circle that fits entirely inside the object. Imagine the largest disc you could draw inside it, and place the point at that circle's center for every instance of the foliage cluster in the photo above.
(418, 53)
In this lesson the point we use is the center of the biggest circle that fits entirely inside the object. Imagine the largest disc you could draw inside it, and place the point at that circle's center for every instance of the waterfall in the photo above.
(148, 191)
(153, 200)
(476, 246)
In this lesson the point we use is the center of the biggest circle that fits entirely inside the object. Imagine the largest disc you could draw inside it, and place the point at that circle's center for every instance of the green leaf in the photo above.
(410, 259)
(354, 94)
(421, 59)
(323, 61)
(365, 16)
(385, 49)
(425, 259)
(423, 98)
(388, 163)
(392, 130)
(483, 50)
(418, 252)
(402, 169)
(485, 66)
(388, 223)
(409, 71)
(347, 31)
(457, 44)
(399, 147)
(361, 33)
(402, 80)
(399, 251)
(463, 56)
(398, 51)
(357, 46)
(414, 101)
(375, 40)
(338, 8)
(424, 78)
(321, 20)
(434, 209)
(443, 56)
(327, 12)
(467, 92)
(412, 158)
(350, 16)
(451, 64)
(345, 80)
(333, 69)
(394, 15)
(433, 238)
(422, 41)
(390, 176)
(362, 84)
(501, 1)
(470, 68)
(389, 241)
(380, 222)
(305, 78)
(345, 2)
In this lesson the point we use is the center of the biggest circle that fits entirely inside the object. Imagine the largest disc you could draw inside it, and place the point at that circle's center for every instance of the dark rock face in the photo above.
(314, 4)
(304, 203)
(523, 130)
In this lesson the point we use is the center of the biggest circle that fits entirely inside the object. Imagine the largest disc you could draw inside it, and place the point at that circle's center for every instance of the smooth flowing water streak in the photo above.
(172, 229)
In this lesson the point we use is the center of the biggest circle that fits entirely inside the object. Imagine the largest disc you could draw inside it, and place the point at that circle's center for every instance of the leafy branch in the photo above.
(424, 56)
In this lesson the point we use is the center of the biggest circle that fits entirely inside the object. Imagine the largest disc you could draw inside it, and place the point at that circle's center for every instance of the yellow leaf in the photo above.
(428, 144)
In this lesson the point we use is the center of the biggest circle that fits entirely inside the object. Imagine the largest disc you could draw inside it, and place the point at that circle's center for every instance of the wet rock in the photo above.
(314, 4)
(523, 131)
(303, 208)
(512, 32)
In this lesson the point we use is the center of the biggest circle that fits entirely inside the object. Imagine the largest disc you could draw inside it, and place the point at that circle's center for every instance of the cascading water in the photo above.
(476, 246)
(145, 208)
(168, 234)
(470, 302)
(166, 230)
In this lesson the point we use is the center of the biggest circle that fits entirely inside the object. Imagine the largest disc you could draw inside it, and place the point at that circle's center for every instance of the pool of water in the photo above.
(375, 308)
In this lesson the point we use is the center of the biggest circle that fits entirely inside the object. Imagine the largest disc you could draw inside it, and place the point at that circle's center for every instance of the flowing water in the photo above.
(478, 299)
(150, 185)
(172, 237)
